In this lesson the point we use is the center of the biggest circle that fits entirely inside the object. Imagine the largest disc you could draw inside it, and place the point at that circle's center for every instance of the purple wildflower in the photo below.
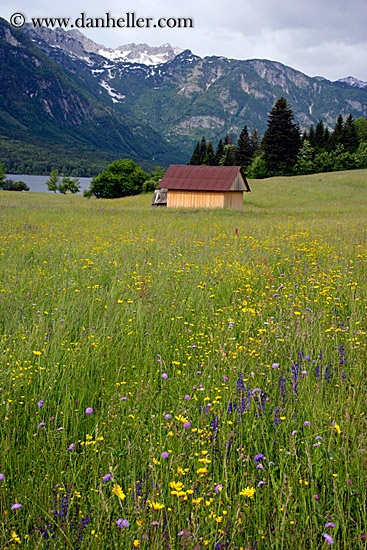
(122, 523)
(316, 497)
(71, 447)
(260, 466)
(40, 404)
(218, 488)
(165, 455)
(88, 410)
(329, 538)
(107, 477)
(187, 397)
(123, 398)
(41, 424)
(304, 372)
(330, 525)
(259, 457)
(187, 425)
(164, 376)
(294, 432)
(167, 416)
(275, 366)
(2, 477)
(261, 483)
(307, 423)
(16, 506)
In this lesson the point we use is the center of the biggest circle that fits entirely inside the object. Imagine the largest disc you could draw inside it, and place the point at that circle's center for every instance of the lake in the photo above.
(37, 184)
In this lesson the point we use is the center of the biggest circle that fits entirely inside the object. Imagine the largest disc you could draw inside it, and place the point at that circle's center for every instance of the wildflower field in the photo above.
(167, 383)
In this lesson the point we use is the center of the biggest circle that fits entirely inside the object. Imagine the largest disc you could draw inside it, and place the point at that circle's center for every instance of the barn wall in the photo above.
(238, 184)
(195, 199)
(233, 199)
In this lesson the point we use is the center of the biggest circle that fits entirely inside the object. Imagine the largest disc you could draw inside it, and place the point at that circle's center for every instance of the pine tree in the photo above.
(281, 140)
(195, 157)
(219, 152)
(320, 135)
(338, 133)
(202, 150)
(244, 149)
(209, 157)
(255, 141)
(311, 136)
(350, 138)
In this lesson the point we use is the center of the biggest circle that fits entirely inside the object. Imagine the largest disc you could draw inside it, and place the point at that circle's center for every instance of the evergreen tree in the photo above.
(202, 150)
(195, 157)
(209, 157)
(337, 135)
(219, 152)
(311, 136)
(350, 138)
(244, 149)
(255, 141)
(304, 159)
(320, 135)
(281, 140)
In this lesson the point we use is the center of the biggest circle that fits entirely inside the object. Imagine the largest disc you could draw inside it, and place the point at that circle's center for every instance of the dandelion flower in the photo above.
(248, 492)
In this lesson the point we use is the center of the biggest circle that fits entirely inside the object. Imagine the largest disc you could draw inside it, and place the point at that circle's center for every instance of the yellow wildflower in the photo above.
(15, 537)
(118, 491)
(248, 492)
(155, 505)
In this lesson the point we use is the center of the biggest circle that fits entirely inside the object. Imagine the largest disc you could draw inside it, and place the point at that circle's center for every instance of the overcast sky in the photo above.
(318, 37)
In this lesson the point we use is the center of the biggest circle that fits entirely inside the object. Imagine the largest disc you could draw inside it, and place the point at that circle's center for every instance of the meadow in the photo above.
(166, 383)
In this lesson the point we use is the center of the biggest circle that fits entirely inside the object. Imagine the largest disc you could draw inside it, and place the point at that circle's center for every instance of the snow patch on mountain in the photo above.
(141, 53)
(354, 82)
(115, 96)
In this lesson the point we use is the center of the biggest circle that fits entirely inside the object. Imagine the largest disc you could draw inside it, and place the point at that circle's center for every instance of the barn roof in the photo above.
(204, 178)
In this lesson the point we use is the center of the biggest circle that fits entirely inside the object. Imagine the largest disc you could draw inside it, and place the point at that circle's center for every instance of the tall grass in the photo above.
(168, 384)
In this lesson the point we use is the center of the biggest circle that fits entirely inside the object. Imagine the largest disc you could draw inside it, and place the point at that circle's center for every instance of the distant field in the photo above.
(166, 384)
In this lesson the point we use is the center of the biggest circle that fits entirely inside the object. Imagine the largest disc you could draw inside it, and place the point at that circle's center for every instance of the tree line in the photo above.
(283, 150)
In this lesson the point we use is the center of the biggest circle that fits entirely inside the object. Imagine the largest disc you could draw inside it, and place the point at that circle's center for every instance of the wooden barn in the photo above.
(204, 186)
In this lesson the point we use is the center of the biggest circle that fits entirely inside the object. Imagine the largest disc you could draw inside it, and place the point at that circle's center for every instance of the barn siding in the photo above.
(238, 184)
(195, 199)
(233, 199)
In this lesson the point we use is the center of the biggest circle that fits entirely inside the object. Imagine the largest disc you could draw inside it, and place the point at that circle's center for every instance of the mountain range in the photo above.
(60, 89)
